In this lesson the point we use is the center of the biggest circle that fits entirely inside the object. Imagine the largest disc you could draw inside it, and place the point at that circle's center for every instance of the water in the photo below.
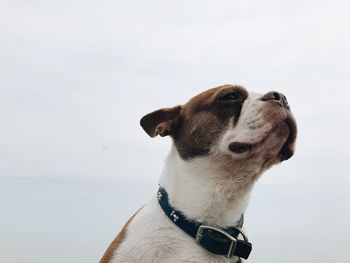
(74, 220)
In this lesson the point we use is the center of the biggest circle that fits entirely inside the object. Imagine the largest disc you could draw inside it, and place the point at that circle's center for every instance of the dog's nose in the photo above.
(274, 95)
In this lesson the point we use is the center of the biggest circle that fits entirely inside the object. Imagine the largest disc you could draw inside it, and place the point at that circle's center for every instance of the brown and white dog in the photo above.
(223, 140)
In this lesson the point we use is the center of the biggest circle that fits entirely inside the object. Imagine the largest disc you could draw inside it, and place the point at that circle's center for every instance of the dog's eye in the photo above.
(229, 97)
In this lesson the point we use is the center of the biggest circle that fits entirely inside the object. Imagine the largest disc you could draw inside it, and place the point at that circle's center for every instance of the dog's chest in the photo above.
(151, 237)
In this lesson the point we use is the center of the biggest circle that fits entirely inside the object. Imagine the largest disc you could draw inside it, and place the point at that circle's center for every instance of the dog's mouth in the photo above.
(240, 147)
(286, 151)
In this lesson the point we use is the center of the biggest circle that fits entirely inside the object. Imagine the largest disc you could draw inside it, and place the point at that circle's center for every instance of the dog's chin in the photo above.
(288, 148)
(280, 140)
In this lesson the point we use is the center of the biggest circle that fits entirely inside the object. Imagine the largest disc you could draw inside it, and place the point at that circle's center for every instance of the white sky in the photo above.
(76, 76)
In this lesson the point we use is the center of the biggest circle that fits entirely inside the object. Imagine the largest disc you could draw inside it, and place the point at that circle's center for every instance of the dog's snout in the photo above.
(277, 96)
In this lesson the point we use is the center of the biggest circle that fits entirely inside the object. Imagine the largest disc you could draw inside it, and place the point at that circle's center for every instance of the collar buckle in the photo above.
(233, 240)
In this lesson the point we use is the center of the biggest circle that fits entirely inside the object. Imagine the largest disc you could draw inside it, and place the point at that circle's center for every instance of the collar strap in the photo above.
(218, 241)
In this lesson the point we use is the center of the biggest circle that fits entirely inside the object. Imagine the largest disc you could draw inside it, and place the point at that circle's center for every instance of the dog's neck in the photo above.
(203, 191)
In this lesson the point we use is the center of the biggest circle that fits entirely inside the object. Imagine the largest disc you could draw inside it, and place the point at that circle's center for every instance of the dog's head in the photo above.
(230, 125)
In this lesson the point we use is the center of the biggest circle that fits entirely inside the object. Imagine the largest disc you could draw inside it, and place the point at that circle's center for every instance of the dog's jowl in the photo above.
(223, 140)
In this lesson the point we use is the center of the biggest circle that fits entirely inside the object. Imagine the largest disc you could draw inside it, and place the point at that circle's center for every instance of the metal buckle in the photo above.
(233, 240)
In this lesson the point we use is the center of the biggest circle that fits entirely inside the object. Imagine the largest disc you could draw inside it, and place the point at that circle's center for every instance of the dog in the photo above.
(222, 141)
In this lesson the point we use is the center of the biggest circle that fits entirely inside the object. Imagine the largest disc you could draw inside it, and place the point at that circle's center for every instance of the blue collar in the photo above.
(218, 241)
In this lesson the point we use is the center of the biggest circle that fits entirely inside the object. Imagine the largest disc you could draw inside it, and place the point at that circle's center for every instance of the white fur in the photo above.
(255, 123)
(194, 189)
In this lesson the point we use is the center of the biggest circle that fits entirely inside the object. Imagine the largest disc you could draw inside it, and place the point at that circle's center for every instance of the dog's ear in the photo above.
(161, 122)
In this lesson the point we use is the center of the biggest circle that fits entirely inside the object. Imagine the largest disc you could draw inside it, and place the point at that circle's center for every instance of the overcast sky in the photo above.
(76, 77)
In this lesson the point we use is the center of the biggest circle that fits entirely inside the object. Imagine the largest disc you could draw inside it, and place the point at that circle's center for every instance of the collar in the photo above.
(218, 241)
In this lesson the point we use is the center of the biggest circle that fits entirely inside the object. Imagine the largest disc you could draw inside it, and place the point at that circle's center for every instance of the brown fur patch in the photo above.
(204, 118)
(107, 256)
(196, 125)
